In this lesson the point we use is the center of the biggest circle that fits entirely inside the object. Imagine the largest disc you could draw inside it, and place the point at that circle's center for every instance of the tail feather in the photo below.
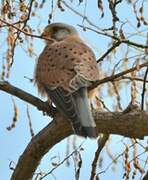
(91, 132)
(83, 107)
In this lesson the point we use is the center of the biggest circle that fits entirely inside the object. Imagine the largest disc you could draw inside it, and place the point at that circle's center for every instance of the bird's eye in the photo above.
(60, 34)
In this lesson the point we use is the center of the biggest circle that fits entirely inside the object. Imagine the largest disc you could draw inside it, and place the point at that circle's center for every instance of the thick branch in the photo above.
(41, 105)
(134, 124)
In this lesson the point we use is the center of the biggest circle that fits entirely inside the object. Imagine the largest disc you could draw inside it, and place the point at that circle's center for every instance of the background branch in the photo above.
(124, 41)
(144, 89)
(115, 76)
(101, 143)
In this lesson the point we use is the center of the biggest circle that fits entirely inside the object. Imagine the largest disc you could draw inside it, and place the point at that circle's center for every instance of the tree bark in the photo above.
(133, 124)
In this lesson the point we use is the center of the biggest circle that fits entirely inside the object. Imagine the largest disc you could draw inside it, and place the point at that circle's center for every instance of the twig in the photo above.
(30, 123)
(131, 78)
(81, 15)
(114, 160)
(25, 33)
(77, 175)
(116, 44)
(124, 41)
(112, 7)
(103, 104)
(117, 95)
(144, 89)
(118, 75)
(21, 30)
(65, 159)
(101, 143)
(15, 116)
(6, 25)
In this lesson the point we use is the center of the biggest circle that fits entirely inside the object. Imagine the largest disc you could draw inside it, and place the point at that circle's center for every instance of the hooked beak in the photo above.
(46, 38)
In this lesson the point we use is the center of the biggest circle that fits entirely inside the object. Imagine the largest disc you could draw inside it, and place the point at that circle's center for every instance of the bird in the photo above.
(64, 70)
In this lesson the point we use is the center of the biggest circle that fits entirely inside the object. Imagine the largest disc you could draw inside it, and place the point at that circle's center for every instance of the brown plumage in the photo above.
(64, 70)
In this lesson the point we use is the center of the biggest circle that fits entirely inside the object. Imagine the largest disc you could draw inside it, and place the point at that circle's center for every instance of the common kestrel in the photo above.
(65, 68)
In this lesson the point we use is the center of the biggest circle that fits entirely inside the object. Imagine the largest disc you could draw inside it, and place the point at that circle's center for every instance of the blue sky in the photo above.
(14, 142)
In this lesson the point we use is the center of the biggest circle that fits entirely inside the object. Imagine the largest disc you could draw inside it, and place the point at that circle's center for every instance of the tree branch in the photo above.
(109, 50)
(118, 75)
(39, 104)
(101, 143)
(144, 89)
(22, 30)
(134, 124)
(81, 15)
(124, 41)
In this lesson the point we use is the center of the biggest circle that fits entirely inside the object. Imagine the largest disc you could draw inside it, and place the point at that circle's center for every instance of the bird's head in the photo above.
(58, 31)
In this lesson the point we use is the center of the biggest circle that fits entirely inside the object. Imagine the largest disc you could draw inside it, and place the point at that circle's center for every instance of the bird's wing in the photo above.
(84, 65)
(75, 107)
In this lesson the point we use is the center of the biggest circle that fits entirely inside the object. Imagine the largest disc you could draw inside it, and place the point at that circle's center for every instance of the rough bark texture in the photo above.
(134, 124)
